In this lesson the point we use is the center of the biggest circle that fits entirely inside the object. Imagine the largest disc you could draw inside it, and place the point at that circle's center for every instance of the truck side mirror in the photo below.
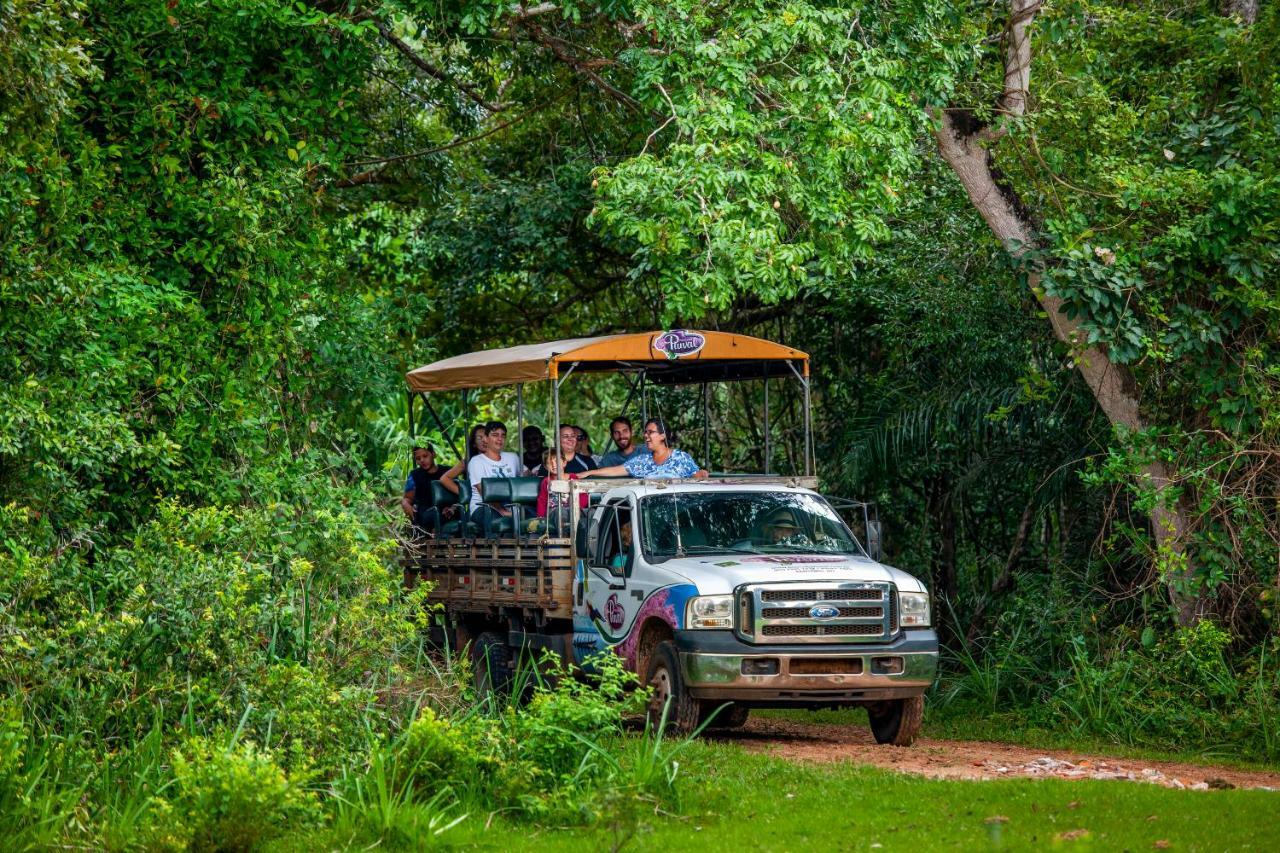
(875, 549)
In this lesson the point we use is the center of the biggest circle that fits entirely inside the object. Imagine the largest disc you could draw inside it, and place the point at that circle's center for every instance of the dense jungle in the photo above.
(1032, 248)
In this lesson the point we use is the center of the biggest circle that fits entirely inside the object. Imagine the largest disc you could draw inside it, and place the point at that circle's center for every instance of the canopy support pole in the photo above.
(808, 422)
(555, 408)
(520, 418)
(644, 398)
(631, 395)
(444, 431)
(706, 425)
(768, 457)
(412, 431)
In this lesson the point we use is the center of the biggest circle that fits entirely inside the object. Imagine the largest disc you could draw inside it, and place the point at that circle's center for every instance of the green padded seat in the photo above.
(442, 498)
(524, 505)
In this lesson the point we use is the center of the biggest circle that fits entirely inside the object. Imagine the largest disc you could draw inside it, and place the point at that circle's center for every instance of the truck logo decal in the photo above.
(614, 614)
(824, 611)
(791, 561)
(678, 343)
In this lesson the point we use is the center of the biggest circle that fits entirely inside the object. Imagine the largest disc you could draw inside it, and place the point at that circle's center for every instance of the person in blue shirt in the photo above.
(658, 461)
(416, 503)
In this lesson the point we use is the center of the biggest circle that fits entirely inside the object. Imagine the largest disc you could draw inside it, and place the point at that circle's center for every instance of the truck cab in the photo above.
(735, 594)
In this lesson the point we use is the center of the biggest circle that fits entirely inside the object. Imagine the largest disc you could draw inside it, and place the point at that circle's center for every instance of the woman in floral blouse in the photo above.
(658, 461)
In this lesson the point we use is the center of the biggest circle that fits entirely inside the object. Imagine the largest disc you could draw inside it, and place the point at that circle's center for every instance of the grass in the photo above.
(732, 799)
(743, 801)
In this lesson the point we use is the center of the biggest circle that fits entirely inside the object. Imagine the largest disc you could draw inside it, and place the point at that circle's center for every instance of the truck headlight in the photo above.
(709, 611)
(914, 609)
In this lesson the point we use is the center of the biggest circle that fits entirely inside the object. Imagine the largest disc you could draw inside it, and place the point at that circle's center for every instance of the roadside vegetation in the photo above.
(228, 227)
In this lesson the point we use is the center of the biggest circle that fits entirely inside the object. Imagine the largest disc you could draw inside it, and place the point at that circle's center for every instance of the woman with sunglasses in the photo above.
(658, 461)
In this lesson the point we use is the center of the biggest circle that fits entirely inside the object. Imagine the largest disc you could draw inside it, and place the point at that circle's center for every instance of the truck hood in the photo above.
(719, 574)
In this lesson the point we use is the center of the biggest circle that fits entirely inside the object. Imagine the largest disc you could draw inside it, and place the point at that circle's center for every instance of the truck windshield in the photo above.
(736, 522)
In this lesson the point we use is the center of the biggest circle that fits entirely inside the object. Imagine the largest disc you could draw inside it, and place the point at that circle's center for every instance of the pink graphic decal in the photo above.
(659, 605)
(614, 614)
(678, 343)
(791, 561)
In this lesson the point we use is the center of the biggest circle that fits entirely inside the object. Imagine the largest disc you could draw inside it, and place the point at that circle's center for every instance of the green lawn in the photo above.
(734, 800)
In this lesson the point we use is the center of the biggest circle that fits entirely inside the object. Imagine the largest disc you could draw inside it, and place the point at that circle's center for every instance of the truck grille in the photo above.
(803, 612)
(848, 612)
(772, 595)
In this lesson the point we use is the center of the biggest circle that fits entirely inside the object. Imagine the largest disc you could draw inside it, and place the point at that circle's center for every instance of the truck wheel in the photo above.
(896, 721)
(667, 683)
(491, 664)
(732, 717)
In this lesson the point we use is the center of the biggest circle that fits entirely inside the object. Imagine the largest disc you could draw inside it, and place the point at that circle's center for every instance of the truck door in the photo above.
(614, 588)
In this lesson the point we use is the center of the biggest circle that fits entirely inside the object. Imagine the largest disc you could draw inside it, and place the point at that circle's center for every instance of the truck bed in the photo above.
(476, 575)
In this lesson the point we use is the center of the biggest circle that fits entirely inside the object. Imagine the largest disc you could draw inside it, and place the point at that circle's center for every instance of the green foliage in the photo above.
(542, 758)
(209, 612)
(792, 130)
(230, 798)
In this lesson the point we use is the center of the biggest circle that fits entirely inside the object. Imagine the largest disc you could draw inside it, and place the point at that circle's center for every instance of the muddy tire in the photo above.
(733, 717)
(491, 664)
(667, 683)
(896, 721)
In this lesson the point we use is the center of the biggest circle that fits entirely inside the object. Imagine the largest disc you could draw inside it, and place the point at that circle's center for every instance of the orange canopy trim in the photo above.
(672, 356)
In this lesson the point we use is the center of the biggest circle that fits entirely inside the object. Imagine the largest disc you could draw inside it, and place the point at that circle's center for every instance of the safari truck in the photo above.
(722, 594)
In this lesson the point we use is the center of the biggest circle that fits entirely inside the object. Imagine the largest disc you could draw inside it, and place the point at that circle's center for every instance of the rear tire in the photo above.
(667, 683)
(896, 721)
(491, 664)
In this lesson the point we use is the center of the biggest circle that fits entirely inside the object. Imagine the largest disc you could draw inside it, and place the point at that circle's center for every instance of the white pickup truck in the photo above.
(724, 594)
(752, 594)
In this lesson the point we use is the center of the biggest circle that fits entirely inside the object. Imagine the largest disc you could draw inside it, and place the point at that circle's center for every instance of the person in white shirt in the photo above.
(493, 462)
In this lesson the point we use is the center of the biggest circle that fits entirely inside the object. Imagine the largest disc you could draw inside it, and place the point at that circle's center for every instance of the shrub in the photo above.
(229, 798)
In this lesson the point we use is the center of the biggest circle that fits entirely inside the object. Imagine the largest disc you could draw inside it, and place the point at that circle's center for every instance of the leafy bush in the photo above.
(540, 759)
(230, 798)
(295, 615)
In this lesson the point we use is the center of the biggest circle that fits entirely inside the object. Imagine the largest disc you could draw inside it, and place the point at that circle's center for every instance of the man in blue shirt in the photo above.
(620, 429)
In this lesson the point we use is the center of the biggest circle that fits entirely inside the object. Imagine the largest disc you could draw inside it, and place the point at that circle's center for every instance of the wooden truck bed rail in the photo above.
(476, 575)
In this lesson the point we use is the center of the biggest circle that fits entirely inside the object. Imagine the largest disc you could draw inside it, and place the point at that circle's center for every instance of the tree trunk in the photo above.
(1113, 385)
(1245, 10)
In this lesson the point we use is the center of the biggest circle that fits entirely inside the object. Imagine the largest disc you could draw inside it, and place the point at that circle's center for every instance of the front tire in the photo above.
(669, 691)
(896, 721)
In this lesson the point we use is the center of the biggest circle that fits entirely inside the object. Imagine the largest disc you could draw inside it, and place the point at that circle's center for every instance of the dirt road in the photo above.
(950, 759)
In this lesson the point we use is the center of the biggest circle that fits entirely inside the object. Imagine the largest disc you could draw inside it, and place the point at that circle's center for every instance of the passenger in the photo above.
(577, 463)
(550, 504)
(620, 429)
(535, 444)
(493, 462)
(584, 448)
(620, 559)
(660, 461)
(417, 503)
(475, 446)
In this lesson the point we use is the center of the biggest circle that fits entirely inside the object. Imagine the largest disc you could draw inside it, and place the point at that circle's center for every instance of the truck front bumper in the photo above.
(718, 666)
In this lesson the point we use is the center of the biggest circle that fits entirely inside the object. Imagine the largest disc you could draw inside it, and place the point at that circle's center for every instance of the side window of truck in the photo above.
(614, 551)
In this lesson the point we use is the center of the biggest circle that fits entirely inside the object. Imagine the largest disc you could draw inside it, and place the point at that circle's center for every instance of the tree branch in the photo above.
(454, 143)
(1012, 102)
(434, 71)
(585, 67)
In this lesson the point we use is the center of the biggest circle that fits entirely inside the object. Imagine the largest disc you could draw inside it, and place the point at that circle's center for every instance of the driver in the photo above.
(780, 528)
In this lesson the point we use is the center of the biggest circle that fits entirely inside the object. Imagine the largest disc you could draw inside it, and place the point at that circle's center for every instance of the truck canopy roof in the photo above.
(671, 357)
